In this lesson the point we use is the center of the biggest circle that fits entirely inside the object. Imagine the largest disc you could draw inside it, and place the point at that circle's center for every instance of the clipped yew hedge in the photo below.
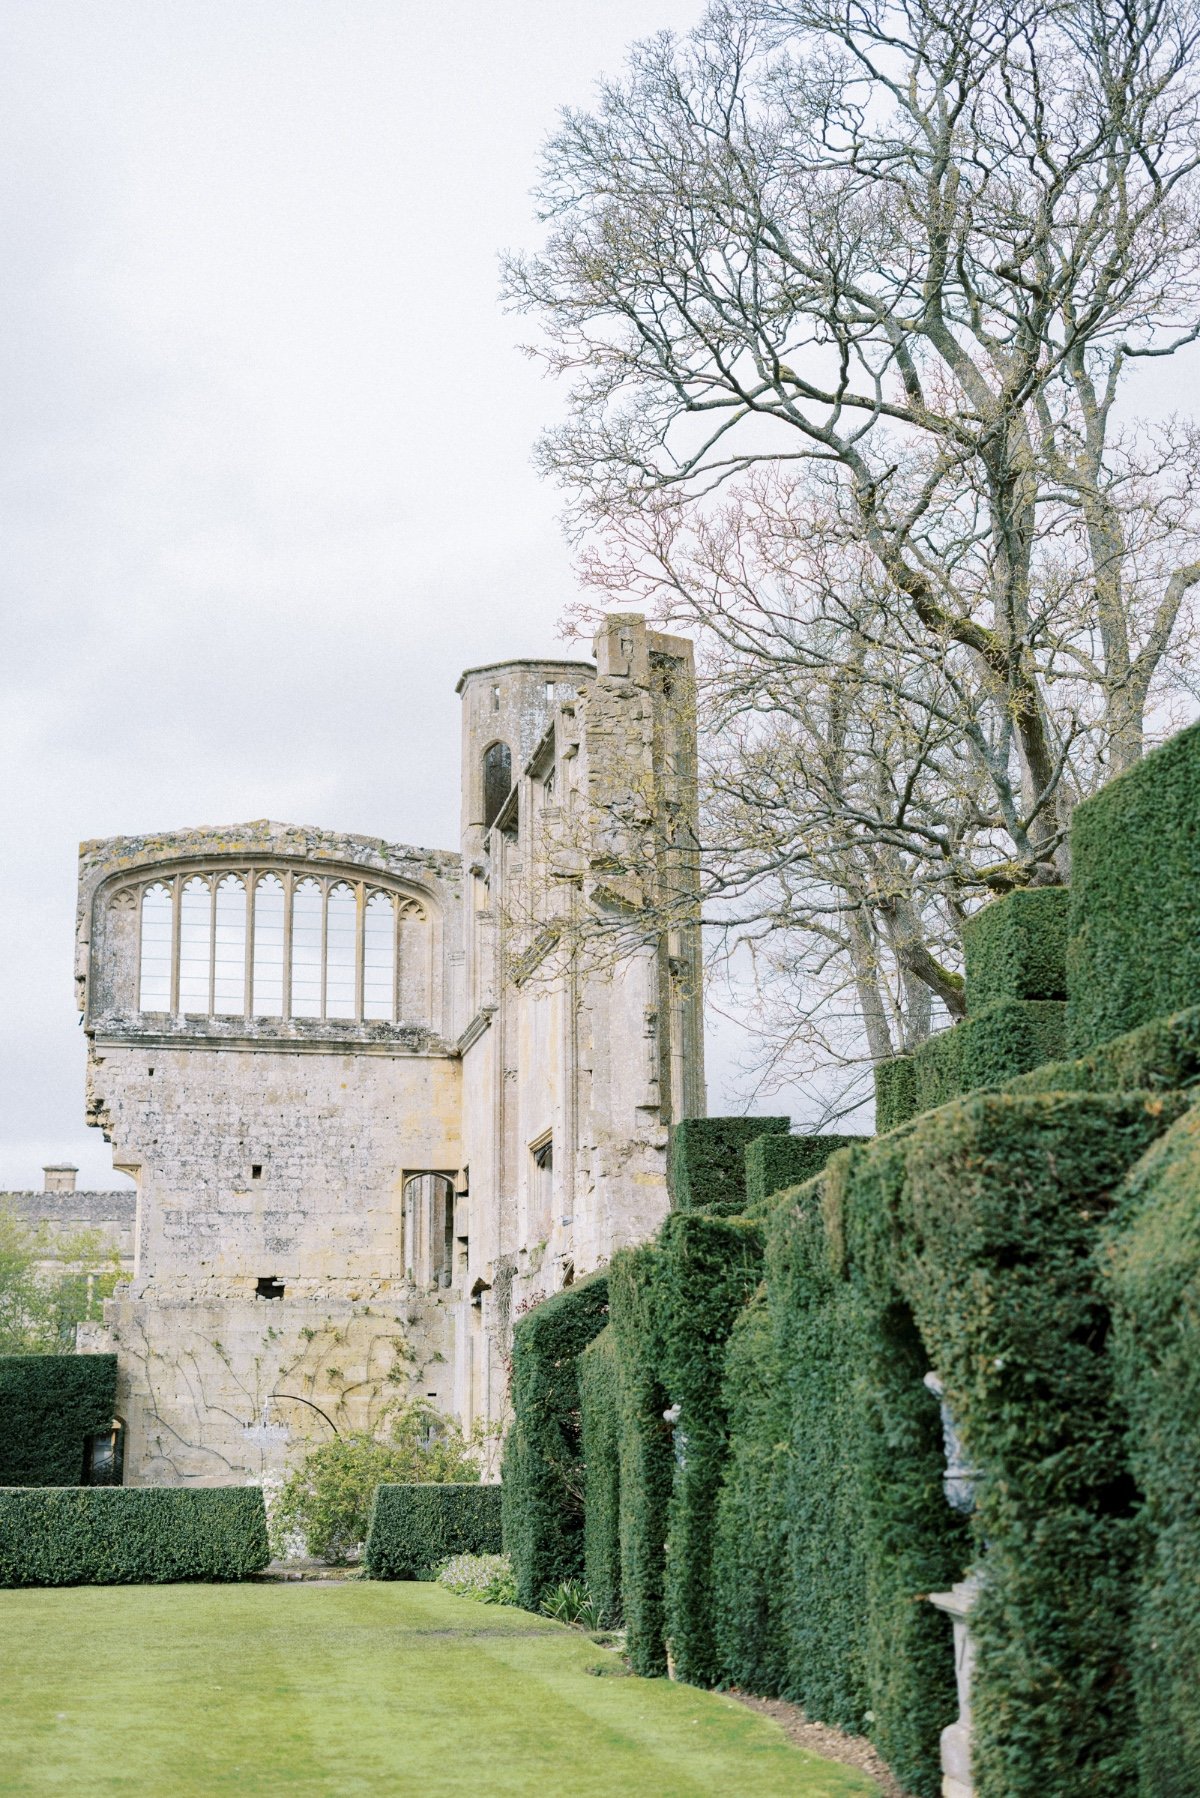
(776, 1162)
(1152, 1262)
(121, 1535)
(1016, 948)
(543, 1455)
(1162, 1056)
(600, 1413)
(646, 1452)
(750, 1536)
(1133, 953)
(708, 1161)
(413, 1527)
(709, 1267)
(50, 1405)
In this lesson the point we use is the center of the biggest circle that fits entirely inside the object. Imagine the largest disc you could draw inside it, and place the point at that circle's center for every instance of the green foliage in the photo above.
(646, 1459)
(1134, 949)
(571, 1602)
(750, 1538)
(50, 1405)
(48, 1285)
(1016, 948)
(1162, 1056)
(1009, 1038)
(600, 1413)
(709, 1267)
(776, 1162)
(708, 1161)
(414, 1528)
(1152, 1261)
(487, 1578)
(114, 1535)
(996, 1207)
(895, 1093)
(543, 1455)
(327, 1497)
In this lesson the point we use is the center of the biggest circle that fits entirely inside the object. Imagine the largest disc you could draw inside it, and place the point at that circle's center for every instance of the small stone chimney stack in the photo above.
(59, 1176)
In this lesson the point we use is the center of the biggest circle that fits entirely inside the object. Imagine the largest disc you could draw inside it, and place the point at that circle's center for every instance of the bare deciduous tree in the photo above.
(846, 291)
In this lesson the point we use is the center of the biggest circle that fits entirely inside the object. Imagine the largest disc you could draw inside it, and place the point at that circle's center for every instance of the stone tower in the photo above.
(376, 1096)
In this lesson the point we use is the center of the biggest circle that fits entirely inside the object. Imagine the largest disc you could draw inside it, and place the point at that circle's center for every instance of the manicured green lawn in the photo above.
(175, 1691)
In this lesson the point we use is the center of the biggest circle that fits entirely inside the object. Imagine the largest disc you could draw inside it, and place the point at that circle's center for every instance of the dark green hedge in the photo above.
(1153, 1264)
(1163, 1056)
(646, 1458)
(708, 1161)
(776, 1162)
(895, 1093)
(996, 1205)
(49, 1406)
(709, 1268)
(413, 1527)
(600, 1409)
(144, 1535)
(543, 1455)
(1134, 948)
(1016, 948)
(1007, 1039)
(750, 1540)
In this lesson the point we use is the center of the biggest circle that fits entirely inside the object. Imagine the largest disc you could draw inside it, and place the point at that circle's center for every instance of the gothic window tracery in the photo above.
(279, 944)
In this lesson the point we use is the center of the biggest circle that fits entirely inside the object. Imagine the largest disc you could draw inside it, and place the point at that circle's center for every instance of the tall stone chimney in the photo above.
(59, 1176)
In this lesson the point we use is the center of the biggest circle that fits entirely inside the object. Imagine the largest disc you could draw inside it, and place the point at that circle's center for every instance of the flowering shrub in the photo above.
(488, 1578)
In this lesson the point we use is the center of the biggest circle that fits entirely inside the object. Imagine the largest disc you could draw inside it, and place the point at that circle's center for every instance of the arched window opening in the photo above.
(195, 945)
(497, 781)
(379, 958)
(229, 949)
(341, 953)
(267, 995)
(429, 1229)
(306, 950)
(154, 991)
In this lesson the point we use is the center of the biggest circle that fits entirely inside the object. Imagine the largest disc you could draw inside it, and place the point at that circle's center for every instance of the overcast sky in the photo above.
(264, 438)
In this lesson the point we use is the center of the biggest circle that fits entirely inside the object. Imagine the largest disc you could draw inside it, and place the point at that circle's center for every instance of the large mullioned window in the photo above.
(273, 945)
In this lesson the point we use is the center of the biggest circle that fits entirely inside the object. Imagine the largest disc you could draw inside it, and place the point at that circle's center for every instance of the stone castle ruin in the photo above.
(377, 1099)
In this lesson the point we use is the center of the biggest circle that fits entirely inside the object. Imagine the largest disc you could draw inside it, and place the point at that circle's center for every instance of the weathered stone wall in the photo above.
(545, 1032)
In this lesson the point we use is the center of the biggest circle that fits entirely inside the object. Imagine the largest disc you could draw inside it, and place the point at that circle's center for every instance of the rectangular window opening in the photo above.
(268, 1287)
(256, 1170)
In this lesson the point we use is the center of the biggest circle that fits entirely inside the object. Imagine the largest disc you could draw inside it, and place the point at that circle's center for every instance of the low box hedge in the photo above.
(413, 1527)
(122, 1535)
(543, 1454)
(49, 1406)
(708, 1161)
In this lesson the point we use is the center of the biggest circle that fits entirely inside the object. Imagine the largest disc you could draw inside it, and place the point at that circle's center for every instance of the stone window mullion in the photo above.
(176, 908)
(288, 886)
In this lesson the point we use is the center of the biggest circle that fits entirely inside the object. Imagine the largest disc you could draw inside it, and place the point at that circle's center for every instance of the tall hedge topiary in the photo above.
(1152, 1262)
(144, 1535)
(708, 1161)
(750, 1537)
(543, 1456)
(50, 1406)
(993, 1218)
(1162, 1056)
(646, 1459)
(600, 1411)
(1134, 950)
(709, 1267)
